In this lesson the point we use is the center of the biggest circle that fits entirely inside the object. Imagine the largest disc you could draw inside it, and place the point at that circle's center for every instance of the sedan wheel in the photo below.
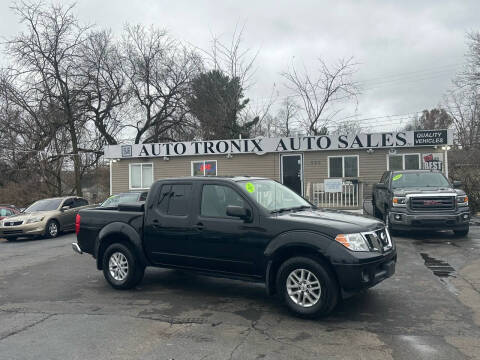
(52, 229)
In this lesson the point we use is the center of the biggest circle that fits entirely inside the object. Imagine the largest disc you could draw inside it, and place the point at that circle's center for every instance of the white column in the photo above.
(110, 177)
(446, 161)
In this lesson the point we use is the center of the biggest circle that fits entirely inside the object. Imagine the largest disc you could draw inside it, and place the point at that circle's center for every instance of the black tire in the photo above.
(52, 230)
(462, 232)
(328, 296)
(135, 270)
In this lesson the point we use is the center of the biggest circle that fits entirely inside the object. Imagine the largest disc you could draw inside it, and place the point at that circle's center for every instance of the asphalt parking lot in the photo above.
(55, 305)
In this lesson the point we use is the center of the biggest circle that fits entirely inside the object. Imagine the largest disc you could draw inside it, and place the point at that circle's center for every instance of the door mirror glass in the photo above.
(238, 211)
(457, 183)
(381, 186)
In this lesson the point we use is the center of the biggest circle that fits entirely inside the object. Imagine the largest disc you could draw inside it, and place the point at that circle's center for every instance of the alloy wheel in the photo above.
(118, 266)
(53, 229)
(303, 287)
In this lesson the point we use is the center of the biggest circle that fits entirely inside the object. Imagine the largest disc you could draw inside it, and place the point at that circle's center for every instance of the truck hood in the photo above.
(333, 222)
(427, 191)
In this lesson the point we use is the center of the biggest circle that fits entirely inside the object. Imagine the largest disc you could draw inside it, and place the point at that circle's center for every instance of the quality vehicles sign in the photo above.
(285, 144)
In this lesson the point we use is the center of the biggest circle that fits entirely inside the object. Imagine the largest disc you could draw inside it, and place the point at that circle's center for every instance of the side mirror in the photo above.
(381, 186)
(457, 184)
(66, 207)
(238, 211)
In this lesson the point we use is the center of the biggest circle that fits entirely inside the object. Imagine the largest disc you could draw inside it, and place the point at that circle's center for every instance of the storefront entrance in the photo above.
(292, 172)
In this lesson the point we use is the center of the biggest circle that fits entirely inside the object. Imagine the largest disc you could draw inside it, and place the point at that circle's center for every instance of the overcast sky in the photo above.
(408, 51)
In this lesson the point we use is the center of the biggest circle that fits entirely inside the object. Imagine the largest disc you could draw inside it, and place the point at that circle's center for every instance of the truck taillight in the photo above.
(77, 224)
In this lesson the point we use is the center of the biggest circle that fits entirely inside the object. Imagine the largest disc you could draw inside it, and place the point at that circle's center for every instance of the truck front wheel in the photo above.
(307, 286)
(121, 268)
(462, 232)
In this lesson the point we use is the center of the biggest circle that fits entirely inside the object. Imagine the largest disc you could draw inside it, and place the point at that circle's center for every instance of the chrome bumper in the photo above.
(76, 248)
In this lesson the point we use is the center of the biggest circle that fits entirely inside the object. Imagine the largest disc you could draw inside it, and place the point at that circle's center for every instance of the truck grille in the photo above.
(432, 203)
(378, 240)
(12, 223)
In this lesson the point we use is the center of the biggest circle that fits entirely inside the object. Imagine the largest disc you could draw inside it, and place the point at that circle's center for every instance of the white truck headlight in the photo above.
(354, 242)
(399, 201)
(462, 200)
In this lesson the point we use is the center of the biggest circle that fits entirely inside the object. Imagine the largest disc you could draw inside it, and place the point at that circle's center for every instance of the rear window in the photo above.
(114, 200)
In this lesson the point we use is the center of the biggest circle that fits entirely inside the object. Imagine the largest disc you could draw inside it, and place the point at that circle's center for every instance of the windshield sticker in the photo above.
(250, 187)
(396, 177)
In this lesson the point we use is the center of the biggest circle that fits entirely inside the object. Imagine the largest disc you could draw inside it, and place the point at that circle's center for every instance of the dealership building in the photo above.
(330, 170)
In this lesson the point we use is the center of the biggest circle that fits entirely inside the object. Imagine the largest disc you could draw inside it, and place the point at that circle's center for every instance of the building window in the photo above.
(342, 166)
(141, 176)
(412, 161)
(204, 168)
(395, 162)
(404, 162)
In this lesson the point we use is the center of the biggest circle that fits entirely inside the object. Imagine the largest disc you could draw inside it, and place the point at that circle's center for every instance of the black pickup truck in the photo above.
(244, 228)
(421, 200)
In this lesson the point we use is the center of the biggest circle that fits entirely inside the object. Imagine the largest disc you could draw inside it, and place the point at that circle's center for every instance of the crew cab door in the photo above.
(167, 225)
(221, 242)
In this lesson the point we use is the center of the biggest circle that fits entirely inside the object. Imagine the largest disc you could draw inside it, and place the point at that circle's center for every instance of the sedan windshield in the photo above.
(273, 196)
(420, 179)
(114, 200)
(44, 205)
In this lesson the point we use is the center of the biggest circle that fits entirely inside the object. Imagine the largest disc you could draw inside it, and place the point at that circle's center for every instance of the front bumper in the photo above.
(33, 229)
(363, 275)
(405, 220)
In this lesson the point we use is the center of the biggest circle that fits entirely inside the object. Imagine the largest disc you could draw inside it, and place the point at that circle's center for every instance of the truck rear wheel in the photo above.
(308, 287)
(121, 268)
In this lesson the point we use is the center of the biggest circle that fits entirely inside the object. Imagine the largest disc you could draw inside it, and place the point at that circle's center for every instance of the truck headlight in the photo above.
(399, 201)
(462, 200)
(355, 242)
(35, 219)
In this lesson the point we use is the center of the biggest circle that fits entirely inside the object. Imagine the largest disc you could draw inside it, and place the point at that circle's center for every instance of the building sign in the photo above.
(430, 137)
(433, 161)
(332, 185)
(286, 144)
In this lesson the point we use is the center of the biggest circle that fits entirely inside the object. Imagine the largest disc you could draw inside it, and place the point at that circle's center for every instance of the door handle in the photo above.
(199, 226)
(156, 224)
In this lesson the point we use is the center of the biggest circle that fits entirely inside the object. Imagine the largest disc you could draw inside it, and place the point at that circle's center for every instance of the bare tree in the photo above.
(105, 92)
(319, 92)
(159, 71)
(470, 76)
(231, 58)
(288, 115)
(45, 67)
(463, 105)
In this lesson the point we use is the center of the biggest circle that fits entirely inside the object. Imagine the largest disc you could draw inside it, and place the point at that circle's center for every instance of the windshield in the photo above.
(421, 179)
(273, 196)
(114, 200)
(44, 205)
